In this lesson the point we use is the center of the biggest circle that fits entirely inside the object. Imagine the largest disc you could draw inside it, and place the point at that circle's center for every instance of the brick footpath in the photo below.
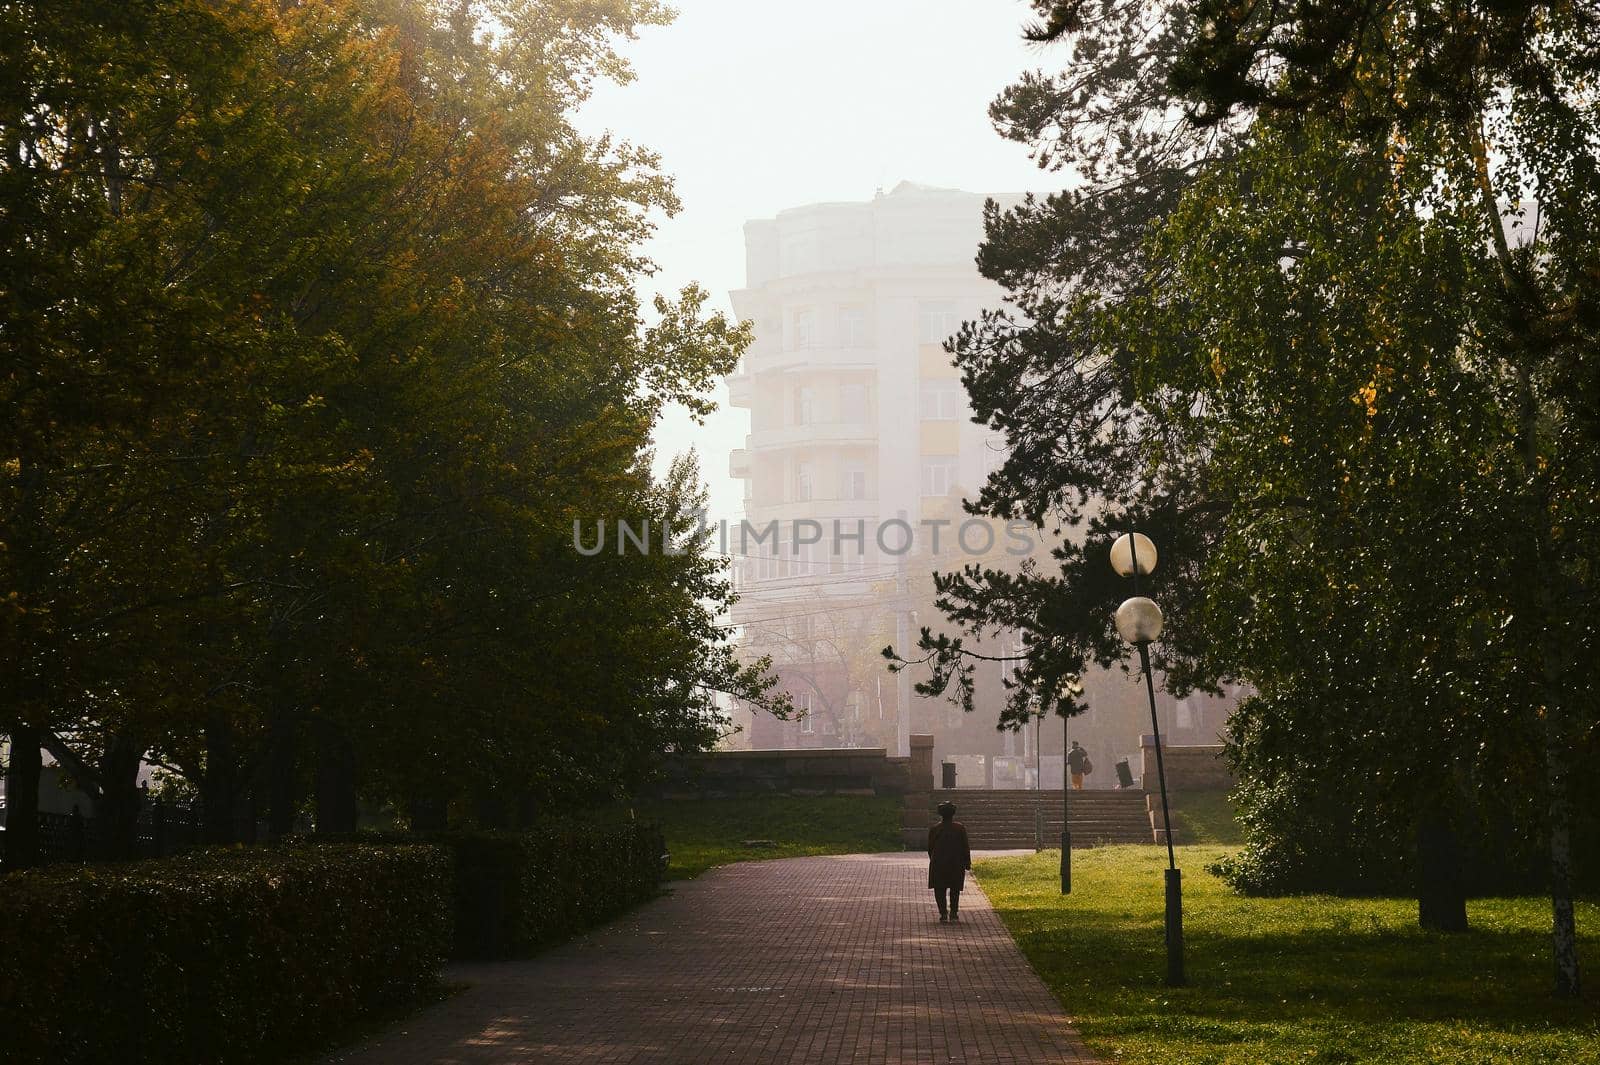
(826, 960)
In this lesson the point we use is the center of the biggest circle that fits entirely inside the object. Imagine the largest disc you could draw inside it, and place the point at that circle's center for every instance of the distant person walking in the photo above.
(949, 858)
(1078, 762)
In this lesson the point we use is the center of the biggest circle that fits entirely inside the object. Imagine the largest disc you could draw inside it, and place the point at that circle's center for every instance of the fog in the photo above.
(847, 154)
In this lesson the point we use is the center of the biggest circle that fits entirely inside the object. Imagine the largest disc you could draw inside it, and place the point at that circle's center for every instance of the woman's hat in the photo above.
(947, 809)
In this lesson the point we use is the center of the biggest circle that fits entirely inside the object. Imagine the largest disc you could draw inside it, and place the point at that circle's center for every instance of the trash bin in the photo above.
(1124, 774)
(949, 774)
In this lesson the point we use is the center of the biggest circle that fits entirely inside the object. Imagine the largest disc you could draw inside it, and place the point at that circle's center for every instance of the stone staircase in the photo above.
(1006, 820)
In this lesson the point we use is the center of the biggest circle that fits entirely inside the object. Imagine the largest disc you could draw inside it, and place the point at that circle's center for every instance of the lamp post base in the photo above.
(1175, 976)
(1066, 862)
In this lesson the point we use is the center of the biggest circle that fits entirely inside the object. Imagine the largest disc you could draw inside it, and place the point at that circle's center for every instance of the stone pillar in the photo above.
(922, 763)
(1147, 763)
(917, 813)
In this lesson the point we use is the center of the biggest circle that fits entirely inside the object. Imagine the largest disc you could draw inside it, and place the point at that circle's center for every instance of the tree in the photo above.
(1492, 103)
(1219, 365)
(303, 526)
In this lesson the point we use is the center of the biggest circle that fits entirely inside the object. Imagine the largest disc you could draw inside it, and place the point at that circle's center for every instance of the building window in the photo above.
(805, 405)
(853, 403)
(994, 454)
(941, 400)
(802, 481)
(852, 327)
(802, 705)
(853, 479)
(1009, 653)
(1185, 717)
(938, 475)
(937, 322)
(805, 329)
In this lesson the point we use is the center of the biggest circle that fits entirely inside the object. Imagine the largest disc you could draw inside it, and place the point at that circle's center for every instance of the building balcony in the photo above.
(780, 596)
(776, 359)
(739, 463)
(815, 434)
(758, 510)
(740, 389)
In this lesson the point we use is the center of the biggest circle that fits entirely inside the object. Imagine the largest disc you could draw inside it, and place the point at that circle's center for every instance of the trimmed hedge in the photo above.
(216, 956)
(519, 891)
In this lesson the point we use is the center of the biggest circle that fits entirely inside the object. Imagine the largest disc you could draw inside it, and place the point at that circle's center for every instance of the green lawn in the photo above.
(1310, 979)
(702, 833)
(1205, 817)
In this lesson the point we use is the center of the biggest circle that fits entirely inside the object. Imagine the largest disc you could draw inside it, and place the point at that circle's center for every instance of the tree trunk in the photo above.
(219, 784)
(1441, 889)
(491, 811)
(1550, 590)
(250, 810)
(337, 807)
(529, 809)
(116, 809)
(1563, 929)
(428, 811)
(283, 792)
(22, 799)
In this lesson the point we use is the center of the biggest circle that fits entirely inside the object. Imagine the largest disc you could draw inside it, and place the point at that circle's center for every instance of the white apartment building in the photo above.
(855, 410)
(857, 418)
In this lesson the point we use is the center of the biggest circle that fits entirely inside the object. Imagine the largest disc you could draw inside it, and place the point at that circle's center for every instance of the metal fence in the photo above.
(161, 830)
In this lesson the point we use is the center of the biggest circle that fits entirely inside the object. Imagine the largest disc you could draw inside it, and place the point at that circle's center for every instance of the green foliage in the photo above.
(1312, 978)
(1318, 317)
(217, 956)
(516, 892)
(322, 330)
(703, 833)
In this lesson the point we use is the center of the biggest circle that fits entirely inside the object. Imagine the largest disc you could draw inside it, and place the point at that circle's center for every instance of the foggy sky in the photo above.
(756, 106)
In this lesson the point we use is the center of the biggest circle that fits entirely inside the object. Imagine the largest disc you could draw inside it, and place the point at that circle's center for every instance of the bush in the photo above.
(1329, 803)
(216, 956)
(518, 891)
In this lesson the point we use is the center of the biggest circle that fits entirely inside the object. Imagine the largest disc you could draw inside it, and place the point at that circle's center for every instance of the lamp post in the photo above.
(1038, 780)
(1074, 687)
(1139, 622)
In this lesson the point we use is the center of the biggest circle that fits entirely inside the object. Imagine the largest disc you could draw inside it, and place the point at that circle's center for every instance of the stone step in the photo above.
(1054, 807)
(1047, 801)
(1118, 810)
(962, 803)
(990, 840)
(1088, 793)
(1016, 819)
(1084, 815)
(1089, 788)
(1055, 817)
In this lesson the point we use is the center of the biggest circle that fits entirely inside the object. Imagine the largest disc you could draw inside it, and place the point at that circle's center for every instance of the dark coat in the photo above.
(949, 855)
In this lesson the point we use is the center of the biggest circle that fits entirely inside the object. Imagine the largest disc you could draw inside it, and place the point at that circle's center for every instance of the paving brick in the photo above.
(802, 960)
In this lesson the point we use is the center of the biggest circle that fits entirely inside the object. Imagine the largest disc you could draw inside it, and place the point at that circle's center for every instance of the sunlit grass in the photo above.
(1307, 979)
(708, 832)
(1205, 817)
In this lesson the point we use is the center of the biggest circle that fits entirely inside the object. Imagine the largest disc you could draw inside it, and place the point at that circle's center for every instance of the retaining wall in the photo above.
(813, 771)
(1197, 768)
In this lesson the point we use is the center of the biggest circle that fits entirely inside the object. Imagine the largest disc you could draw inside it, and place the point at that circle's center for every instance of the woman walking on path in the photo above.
(949, 858)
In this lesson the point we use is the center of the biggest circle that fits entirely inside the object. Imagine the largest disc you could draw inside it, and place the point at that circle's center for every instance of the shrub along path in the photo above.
(821, 959)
